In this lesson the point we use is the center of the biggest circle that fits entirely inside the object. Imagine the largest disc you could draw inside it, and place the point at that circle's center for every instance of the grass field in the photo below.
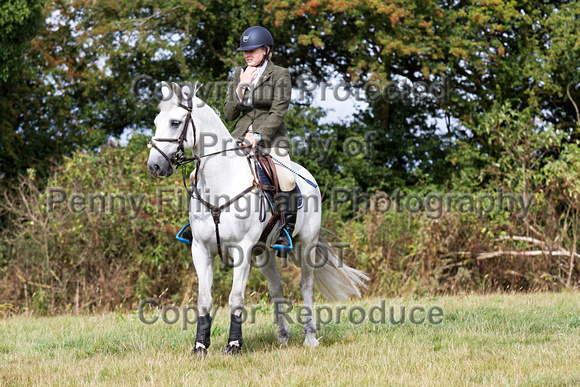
(531, 339)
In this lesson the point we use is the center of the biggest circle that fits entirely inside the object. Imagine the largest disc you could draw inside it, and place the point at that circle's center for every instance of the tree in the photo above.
(523, 54)
(76, 88)
(20, 20)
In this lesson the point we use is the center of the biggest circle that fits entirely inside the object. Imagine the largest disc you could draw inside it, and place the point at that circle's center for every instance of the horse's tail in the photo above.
(334, 279)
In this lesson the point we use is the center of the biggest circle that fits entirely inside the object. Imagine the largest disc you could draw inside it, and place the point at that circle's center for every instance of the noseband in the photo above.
(179, 159)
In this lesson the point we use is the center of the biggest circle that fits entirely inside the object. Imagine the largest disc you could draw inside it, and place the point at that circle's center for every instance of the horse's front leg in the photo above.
(241, 259)
(203, 262)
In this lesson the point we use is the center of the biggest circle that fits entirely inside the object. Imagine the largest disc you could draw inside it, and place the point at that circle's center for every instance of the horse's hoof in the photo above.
(311, 342)
(283, 337)
(233, 348)
(199, 350)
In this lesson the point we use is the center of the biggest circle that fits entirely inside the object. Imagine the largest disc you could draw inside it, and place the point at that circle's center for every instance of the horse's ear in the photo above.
(188, 91)
(198, 85)
(166, 91)
(177, 91)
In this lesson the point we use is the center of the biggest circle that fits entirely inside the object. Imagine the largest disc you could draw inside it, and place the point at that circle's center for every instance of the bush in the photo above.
(110, 243)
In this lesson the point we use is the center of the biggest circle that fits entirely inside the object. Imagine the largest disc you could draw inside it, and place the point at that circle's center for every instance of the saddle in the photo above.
(268, 186)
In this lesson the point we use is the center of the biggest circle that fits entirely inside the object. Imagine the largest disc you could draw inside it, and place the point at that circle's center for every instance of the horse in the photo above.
(223, 171)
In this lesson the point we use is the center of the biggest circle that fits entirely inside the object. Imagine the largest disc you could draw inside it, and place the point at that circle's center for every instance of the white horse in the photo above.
(224, 176)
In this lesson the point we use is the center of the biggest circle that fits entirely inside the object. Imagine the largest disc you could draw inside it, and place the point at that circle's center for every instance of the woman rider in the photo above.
(258, 98)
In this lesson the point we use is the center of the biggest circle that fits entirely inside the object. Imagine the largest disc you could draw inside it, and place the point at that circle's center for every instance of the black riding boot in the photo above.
(286, 203)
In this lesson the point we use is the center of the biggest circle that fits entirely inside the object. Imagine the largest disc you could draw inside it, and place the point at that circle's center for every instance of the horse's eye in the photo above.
(175, 123)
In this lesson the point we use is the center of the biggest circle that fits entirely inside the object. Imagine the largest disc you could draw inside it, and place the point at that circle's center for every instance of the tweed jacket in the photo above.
(267, 108)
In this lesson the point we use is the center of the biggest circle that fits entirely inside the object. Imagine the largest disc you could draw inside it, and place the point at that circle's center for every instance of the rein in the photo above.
(180, 161)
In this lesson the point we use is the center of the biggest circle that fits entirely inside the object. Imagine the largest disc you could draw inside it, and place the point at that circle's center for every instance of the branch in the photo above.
(532, 229)
(571, 262)
(573, 103)
(525, 239)
(494, 254)
(216, 53)
(544, 274)
(146, 19)
(520, 253)
(456, 253)
(21, 277)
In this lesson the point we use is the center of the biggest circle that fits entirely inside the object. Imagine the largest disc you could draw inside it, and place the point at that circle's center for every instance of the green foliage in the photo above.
(523, 54)
(318, 148)
(563, 176)
(519, 154)
(102, 234)
(464, 251)
(19, 22)
(114, 242)
(76, 85)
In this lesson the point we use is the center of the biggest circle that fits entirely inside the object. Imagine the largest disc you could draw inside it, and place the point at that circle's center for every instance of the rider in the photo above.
(258, 97)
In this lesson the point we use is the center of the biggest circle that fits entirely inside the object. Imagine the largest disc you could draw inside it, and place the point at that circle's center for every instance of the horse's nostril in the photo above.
(154, 169)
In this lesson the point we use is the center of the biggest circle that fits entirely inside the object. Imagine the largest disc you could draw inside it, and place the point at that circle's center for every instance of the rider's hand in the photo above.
(247, 76)
(251, 139)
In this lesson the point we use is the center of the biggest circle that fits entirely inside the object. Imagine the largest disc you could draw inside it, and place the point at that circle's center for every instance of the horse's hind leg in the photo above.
(269, 267)
(307, 265)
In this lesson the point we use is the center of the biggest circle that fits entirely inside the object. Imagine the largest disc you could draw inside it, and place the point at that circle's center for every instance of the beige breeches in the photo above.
(285, 176)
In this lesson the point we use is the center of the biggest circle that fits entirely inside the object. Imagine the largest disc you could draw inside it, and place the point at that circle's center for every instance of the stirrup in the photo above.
(180, 237)
(284, 248)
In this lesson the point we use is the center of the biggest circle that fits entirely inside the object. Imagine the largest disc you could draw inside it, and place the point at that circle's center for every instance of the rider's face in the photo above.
(255, 56)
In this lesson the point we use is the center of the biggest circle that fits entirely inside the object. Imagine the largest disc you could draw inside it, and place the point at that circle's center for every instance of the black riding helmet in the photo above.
(255, 37)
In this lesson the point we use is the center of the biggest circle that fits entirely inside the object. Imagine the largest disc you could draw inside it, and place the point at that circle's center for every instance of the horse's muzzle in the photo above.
(159, 168)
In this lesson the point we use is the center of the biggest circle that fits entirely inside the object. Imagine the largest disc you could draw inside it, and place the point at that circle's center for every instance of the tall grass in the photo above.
(500, 339)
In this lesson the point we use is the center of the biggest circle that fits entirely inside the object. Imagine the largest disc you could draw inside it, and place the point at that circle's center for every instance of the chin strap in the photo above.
(265, 56)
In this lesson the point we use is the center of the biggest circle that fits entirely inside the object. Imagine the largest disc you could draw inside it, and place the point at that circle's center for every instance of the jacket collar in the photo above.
(267, 73)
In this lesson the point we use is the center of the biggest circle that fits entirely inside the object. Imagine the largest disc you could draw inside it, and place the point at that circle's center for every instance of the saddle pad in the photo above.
(270, 194)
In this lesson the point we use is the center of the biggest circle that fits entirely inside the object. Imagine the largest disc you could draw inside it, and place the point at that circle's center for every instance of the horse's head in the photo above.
(174, 130)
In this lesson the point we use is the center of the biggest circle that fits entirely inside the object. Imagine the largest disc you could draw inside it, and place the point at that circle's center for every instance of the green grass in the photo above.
(529, 340)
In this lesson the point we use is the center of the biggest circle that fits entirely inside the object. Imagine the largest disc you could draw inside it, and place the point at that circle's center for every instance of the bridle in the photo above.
(179, 159)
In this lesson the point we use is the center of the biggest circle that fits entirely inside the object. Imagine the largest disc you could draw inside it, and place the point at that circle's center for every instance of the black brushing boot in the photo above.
(287, 203)
(235, 339)
(202, 338)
